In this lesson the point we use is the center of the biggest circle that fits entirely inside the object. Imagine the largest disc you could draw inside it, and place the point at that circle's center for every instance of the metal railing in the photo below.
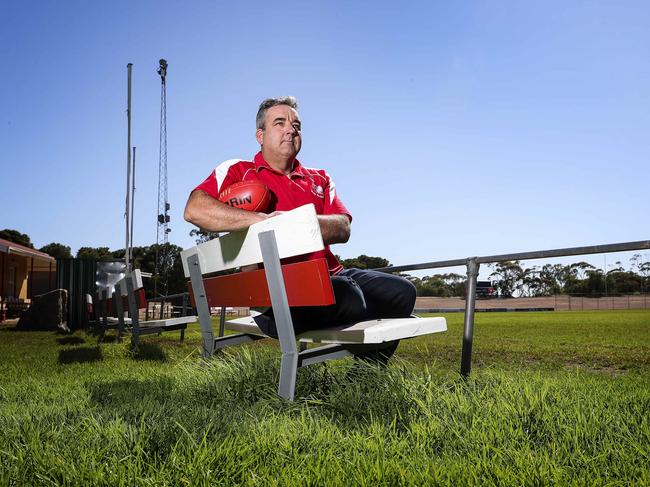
(185, 307)
(473, 265)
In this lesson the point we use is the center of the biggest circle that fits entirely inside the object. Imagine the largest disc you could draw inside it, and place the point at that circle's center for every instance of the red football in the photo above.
(247, 195)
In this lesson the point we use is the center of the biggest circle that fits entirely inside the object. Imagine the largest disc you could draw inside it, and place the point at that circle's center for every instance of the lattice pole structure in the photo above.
(163, 254)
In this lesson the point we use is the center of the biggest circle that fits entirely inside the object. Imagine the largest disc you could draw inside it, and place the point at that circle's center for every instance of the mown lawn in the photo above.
(554, 398)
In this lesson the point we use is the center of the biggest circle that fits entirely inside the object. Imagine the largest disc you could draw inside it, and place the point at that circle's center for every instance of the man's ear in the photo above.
(259, 135)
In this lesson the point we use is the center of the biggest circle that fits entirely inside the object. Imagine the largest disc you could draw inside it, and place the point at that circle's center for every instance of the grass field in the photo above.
(554, 398)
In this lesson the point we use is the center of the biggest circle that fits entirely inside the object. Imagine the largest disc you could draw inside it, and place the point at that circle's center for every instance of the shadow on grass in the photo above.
(154, 407)
(70, 341)
(149, 351)
(113, 338)
(232, 388)
(80, 355)
(130, 398)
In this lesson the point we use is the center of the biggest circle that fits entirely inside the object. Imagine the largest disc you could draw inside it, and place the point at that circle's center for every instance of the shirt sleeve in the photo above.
(333, 204)
(223, 176)
(209, 186)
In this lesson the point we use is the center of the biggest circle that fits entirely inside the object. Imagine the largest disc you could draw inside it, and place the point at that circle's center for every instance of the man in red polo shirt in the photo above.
(360, 294)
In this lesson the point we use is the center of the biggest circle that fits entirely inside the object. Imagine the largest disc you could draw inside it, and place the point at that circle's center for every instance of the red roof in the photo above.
(11, 247)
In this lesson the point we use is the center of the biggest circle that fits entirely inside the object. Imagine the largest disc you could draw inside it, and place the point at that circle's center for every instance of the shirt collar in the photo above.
(260, 163)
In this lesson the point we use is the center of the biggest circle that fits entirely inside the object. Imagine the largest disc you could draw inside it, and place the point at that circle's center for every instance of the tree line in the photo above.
(513, 279)
(510, 279)
(144, 258)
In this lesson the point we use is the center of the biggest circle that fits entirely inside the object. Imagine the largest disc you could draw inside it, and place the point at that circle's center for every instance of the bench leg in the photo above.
(182, 335)
(133, 312)
(283, 322)
(222, 322)
(201, 305)
(288, 371)
(120, 311)
(104, 296)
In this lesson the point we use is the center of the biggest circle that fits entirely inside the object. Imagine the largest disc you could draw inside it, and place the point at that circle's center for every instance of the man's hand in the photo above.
(212, 215)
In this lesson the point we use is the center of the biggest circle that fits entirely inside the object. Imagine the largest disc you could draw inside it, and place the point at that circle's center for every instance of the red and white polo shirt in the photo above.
(302, 186)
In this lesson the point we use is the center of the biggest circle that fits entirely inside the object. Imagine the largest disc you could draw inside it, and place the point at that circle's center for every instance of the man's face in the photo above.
(280, 139)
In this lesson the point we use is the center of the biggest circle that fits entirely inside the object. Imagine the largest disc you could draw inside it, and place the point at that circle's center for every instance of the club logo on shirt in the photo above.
(317, 189)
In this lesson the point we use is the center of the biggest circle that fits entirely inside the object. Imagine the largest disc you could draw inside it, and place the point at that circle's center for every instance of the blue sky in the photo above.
(450, 128)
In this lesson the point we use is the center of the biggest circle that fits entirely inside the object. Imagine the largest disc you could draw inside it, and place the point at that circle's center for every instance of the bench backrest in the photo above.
(138, 289)
(307, 284)
(296, 232)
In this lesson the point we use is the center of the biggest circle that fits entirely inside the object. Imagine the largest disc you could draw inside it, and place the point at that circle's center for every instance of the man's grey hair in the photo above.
(272, 102)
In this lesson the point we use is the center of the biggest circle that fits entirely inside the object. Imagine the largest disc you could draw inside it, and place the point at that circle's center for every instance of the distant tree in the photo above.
(364, 262)
(202, 235)
(508, 277)
(16, 237)
(456, 283)
(594, 283)
(141, 258)
(576, 277)
(441, 285)
(97, 253)
(642, 269)
(530, 283)
(550, 280)
(57, 250)
(176, 281)
(623, 282)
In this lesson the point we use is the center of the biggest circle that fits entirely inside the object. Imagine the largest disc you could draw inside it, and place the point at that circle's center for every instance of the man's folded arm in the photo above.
(212, 215)
(334, 228)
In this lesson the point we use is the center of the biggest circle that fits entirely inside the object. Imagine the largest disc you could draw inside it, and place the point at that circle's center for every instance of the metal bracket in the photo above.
(238, 339)
(321, 354)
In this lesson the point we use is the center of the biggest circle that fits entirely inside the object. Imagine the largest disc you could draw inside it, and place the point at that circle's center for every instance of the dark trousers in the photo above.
(360, 295)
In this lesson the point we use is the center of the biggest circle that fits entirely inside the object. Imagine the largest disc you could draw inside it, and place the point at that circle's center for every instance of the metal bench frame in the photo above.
(147, 327)
(292, 358)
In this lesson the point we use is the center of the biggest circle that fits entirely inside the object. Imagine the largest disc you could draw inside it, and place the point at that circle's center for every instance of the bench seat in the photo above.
(168, 323)
(372, 331)
(164, 323)
(111, 320)
(131, 287)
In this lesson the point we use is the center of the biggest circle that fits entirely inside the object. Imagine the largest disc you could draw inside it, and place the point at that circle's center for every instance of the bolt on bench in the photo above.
(305, 283)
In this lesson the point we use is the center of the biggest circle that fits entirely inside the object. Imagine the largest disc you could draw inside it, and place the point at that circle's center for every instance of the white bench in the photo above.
(130, 286)
(306, 283)
(104, 305)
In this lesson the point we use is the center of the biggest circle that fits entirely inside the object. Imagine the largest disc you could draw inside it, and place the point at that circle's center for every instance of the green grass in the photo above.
(554, 398)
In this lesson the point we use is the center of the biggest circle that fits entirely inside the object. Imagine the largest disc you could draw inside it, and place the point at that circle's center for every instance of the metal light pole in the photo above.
(128, 169)
(132, 206)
